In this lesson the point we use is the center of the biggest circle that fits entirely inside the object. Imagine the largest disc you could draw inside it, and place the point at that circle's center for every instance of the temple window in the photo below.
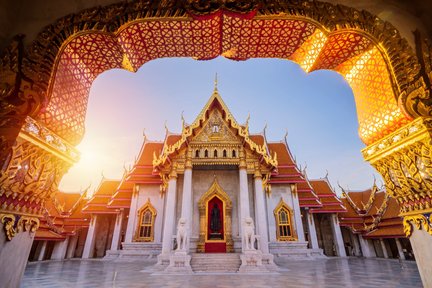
(284, 228)
(206, 153)
(197, 153)
(224, 153)
(145, 229)
(215, 154)
(233, 153)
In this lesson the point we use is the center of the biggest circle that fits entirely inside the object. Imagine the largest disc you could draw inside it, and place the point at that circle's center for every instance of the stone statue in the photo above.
(215, 223)
(249, 234)
(182, 236)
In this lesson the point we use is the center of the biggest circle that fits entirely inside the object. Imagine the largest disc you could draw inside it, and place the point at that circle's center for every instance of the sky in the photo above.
(316, 109)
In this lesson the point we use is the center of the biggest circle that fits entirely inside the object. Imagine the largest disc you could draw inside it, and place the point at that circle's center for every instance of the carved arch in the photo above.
(285, 230)
(145, 227)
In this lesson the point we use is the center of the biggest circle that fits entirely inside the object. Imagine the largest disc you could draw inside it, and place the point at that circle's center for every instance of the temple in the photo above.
(217, 188)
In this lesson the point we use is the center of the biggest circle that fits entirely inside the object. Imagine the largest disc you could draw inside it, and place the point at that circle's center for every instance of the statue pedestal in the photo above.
(179, 262)
(252, 261)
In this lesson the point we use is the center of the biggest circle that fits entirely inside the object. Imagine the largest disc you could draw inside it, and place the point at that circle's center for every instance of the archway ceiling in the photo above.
(236, 37)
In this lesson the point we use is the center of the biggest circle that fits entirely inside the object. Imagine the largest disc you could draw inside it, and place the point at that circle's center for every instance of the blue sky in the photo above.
(316, 109)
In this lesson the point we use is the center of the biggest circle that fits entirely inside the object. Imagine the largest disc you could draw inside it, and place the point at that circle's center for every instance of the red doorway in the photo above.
(215, 238)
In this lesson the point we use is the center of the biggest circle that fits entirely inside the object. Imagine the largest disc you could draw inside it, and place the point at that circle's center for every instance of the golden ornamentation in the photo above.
(366, 207)
(266, 184)
(404, 159)
(8, 221)
(140, 216)
(215, 191)
(214, 135)
(418, 221)
(24, 224)
(284, 208)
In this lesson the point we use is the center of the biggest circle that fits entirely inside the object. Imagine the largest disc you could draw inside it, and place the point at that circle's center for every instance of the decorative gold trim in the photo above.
(8, 221)
(140, 214)
(418, 221)
(280, 206)
(215, 190)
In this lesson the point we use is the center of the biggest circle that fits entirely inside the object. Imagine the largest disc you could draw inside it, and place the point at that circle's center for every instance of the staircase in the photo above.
(215, 262)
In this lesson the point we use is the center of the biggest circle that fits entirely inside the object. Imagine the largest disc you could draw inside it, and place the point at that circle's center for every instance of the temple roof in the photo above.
(327, 196)
(372, 213)
(98, 202)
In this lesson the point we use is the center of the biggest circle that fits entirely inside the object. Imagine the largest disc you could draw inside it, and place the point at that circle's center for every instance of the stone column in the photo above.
(243, 191)
(297, 214)
(90, 240)
(337, 236)
(384, 248)
(260, 212)
(42, 251)
(59, 251)
(72, 245)
(365, 247)
(356, 245)
(117, 231)
(169, 213)
(186, 211)
(132, 215)
(421, 242)
(312, 230)
(400, 249)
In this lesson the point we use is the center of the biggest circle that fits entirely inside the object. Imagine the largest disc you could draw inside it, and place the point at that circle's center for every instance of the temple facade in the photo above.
(216, 188)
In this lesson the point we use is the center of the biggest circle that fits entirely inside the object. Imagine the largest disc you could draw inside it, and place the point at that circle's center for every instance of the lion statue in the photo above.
(249, 234)
(182, 236)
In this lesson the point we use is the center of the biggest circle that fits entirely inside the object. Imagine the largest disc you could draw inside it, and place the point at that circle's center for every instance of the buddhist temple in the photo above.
(217, 188)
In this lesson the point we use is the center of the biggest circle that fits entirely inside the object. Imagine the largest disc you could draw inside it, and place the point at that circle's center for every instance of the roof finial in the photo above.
(215, 82)
(286, 134)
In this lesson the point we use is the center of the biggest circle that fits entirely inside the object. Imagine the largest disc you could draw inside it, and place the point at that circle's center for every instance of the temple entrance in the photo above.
(215, 238)
(215, 221)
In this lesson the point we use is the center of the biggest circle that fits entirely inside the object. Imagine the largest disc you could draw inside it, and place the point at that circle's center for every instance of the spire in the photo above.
(215, 83)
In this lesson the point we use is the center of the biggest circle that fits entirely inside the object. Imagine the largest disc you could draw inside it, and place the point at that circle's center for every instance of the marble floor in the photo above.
(331, 272)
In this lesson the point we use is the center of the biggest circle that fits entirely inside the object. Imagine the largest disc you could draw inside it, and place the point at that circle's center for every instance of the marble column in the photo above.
(312, 230)
(297, 214)
(384, 248)
(355, 243)
(243, 191)
(132, 215)
(90, 239)
(400, 249)
(260, 212)
(421, 242)
(72, 245)
(366, 248)
(169, 213)
(186, 211)
(337, 236)
(60, 248)
(117, 231)
(42, 250)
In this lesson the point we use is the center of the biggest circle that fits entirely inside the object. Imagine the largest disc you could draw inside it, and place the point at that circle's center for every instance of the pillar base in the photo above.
(179, 263)
(252, 262)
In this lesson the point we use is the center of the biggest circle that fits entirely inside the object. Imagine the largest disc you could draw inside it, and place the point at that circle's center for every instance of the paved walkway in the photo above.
(332, 272)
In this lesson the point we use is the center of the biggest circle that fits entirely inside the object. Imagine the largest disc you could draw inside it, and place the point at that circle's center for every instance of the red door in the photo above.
(215, 238)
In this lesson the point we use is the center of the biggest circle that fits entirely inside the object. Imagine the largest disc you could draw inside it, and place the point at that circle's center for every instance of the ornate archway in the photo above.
(206, 202)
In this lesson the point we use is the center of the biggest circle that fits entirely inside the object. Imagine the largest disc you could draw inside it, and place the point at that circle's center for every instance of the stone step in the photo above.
(215, 262)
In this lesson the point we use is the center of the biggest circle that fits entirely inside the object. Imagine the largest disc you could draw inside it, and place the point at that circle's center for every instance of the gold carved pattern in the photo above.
(15, 224)
(366, 207)
(29, 177)
(215, 190)
(188, 132)
(418, 221)
(404, 159)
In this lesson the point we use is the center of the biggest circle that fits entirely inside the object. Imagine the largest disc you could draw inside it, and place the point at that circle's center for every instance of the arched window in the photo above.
(206, 153)
(215, 154)
(197, 153)
(233, 154)
(224, 153)
(284, 227)
(145, 229)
